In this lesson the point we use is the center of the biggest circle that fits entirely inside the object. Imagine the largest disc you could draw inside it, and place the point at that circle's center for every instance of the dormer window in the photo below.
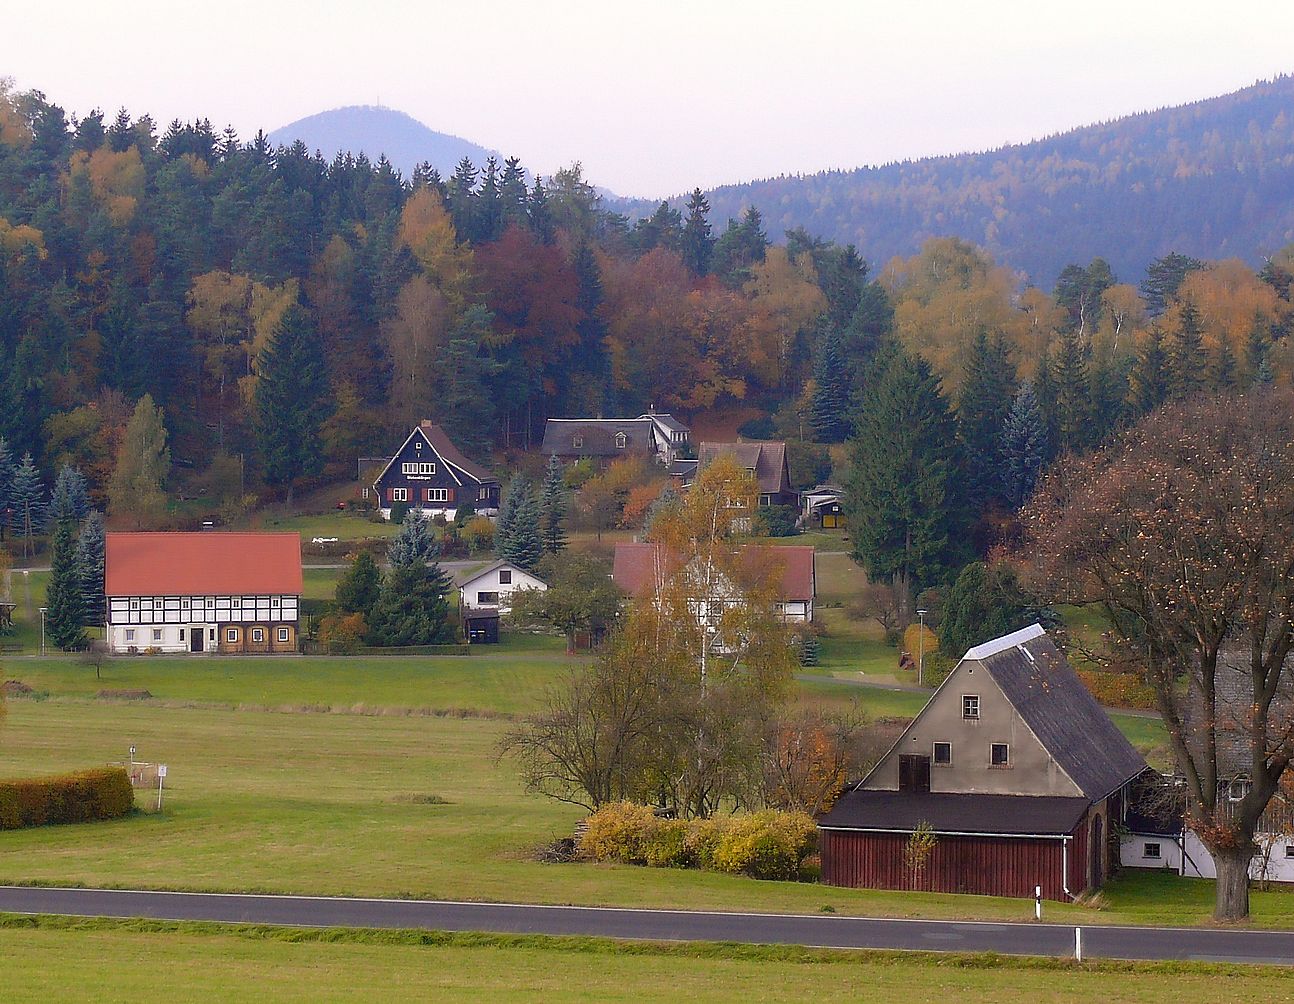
(621, 439)
(970, 707)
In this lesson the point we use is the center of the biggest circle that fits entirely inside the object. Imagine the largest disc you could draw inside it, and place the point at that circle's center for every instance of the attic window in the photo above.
(1237, 790)
(621, 439)
(970, 707)
(1150, 849)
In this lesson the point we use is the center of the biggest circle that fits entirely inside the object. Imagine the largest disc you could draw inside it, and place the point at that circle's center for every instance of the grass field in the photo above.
(139, 961)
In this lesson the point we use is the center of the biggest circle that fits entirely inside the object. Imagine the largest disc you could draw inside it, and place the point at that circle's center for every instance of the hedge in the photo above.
(764, 845)
(102, 793)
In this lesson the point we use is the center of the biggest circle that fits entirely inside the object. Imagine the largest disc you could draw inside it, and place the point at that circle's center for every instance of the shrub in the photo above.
(766, 845)
(1118, 690)
(342, 634)
(102, 793)
(478, 534)
(399, 510)
(778, 521)
(618, 832)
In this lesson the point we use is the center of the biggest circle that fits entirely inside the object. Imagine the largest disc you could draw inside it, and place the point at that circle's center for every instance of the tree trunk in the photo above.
(1232, 902)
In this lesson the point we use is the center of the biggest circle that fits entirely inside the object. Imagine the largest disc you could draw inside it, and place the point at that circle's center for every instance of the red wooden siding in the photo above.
(986, 866)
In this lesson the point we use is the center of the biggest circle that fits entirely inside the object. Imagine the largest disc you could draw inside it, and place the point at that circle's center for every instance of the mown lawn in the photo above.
(130, 962)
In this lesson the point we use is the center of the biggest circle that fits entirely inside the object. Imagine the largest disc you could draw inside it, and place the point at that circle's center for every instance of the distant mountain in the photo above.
(375, 131)
(1211, 179)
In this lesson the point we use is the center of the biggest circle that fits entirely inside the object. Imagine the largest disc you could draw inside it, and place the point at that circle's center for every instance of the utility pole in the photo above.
(921, 647)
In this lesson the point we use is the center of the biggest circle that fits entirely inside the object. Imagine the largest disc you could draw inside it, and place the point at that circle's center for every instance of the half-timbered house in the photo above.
(232, 593)
(431, 477)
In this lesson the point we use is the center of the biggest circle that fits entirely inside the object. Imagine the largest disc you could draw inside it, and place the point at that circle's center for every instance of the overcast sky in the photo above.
(657, 97)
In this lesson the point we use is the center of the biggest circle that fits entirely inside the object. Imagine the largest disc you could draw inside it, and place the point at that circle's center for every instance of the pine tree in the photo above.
(1222, 367)
(415, 544)
(143, 463)
(412, 608)
(809, 649)
(1107, 394)
(1024, 447)
(1148, 381)
(465, 403)
(90, 568)
(1186, 356)
(697, 245)
(27, 498)
(463, 201)
(512, 194)
(829, 409)
(359, 588)
(291, 401)
(1073, 406)
(541, 214)
(553, 508)
(1256, 353)
(908, 519)
(982, 410)
(71, 497)
(490, 204)
(1164, 277)
(7, 470)
(63, 597)
(518, 539)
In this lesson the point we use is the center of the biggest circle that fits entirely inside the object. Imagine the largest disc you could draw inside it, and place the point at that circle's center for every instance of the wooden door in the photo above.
(196, 639)
(914, 772)
(1098, 852)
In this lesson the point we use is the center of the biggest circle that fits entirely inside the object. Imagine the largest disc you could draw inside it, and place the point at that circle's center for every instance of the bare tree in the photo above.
(1183, 532)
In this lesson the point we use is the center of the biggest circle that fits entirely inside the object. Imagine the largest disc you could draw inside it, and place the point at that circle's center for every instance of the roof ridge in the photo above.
(995, 645)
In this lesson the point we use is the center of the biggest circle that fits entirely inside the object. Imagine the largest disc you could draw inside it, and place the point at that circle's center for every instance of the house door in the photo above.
(1098, 852)
(196, 635)
(914, 772)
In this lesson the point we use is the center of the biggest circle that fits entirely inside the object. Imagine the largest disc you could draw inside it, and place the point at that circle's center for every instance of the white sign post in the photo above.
(1037, 902)
(161, 775)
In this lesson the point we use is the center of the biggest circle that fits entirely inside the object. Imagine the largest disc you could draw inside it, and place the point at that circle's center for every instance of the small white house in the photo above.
(486, 593)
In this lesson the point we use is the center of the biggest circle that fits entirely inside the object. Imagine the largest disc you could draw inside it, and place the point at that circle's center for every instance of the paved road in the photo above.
(823, 931)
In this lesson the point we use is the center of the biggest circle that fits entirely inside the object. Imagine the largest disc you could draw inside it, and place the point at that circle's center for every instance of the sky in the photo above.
(656, 97)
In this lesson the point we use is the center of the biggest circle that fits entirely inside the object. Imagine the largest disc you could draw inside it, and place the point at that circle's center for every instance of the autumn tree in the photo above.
(1181, 533)
(581, 598)
(137, 490)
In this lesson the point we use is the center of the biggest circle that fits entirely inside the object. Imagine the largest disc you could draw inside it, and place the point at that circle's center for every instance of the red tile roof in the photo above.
(171, 564)
(637, 567)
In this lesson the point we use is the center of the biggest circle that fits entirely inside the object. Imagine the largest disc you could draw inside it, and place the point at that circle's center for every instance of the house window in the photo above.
(157, 634)
(426, 468)
(408, 468)
(483, 494)
(184, 604)
(399, 494)
(621, 439)
(1289, 850)
(181, 634)
(1150, 849)
(236, 602)
(437, 494)
(1000, 755)
(283, 634)
(970, 707)
(258, 634)
(484, 599)
(577, 443)
(211, 601)
(1237, 790)
(274, 601)
(505, 576)
(363, 493)
(943, 754)
(134, 604)
(130, 634)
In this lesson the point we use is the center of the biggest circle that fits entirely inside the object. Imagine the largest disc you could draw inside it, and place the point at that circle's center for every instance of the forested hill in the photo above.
(377, 131)
(1212, 179)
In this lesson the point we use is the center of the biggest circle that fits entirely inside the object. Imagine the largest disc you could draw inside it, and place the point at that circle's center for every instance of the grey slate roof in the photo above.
(955, 812)
(1042, 686)
(598, 435)
(766, 459)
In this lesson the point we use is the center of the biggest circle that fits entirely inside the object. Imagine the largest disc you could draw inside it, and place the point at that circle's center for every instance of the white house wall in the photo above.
(1195, 861)
(489, 582)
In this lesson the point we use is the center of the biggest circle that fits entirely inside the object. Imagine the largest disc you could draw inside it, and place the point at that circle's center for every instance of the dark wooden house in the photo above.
(1017, 771)
(431, 477)
(765, 461)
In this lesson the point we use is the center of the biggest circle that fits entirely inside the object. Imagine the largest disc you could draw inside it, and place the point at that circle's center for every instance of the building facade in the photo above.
(486, 593)
(230, 593)
(431, 477)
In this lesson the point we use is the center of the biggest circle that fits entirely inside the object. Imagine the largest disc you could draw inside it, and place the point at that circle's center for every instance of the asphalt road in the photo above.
(823, 931)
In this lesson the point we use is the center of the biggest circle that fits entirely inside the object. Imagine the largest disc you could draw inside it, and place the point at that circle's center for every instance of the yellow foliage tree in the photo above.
(787, 299)
(427, 230)
(15, 238)
(116, 180)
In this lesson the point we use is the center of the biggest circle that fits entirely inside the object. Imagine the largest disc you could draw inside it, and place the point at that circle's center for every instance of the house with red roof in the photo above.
(232, 593)
(639, 569)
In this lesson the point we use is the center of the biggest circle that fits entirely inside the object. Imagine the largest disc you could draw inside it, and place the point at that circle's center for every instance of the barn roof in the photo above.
(171, 564)
(767, 460)
(955, 812)
(1039, 682)
(637, 566)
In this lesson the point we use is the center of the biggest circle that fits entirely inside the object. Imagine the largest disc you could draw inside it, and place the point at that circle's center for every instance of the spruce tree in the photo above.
(982, 410)
(541, 214)
(829, 409)
(519, 540)
(70, 499)
(1073, 414)
(553, 508)
(7, 468)
(697, 245)
(359, 588)
(1222, 367)
(1148, 381)
(90, 568)
(415, 544)
(903, 505)
(1256, 352)
(412, 608)
(27, 499)
(65, 603)
(1024, 447)
(1186, 355)
(809, 650)
(1108, 396)
(291, 401)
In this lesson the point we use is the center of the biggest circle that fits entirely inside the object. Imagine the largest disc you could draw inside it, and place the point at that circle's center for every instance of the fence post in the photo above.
(1078, 944)
(1037, 902)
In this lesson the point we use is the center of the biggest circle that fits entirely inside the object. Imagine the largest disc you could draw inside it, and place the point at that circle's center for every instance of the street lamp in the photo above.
(42, 629)
(921, 646)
